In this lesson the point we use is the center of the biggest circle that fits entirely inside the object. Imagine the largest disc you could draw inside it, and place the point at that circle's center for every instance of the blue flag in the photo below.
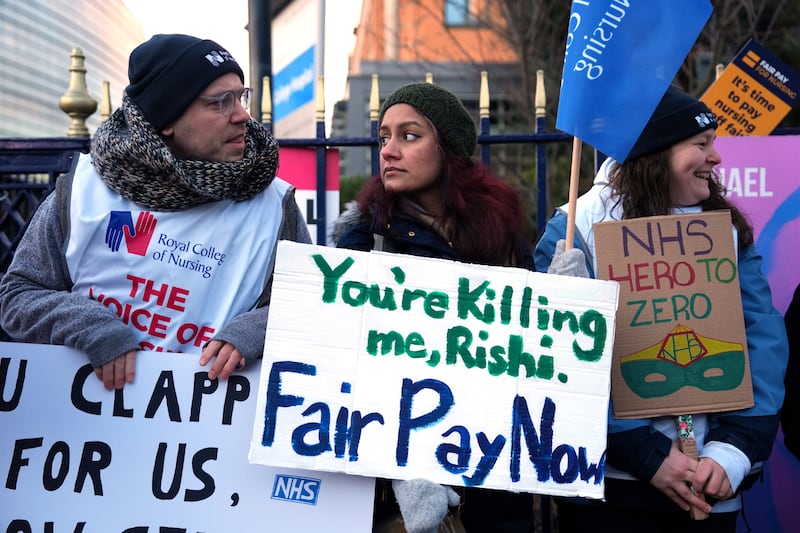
(621, 56)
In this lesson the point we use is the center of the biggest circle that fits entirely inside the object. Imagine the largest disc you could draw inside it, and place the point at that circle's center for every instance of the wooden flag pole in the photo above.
(574, 180)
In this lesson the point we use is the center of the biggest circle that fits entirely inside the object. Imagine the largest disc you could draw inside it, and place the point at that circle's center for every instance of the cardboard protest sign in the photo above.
(166, 453)
(680, 342)
(753, 94)
(396, 366)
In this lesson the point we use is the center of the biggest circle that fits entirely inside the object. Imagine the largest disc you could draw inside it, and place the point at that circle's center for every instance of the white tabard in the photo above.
(174, 277)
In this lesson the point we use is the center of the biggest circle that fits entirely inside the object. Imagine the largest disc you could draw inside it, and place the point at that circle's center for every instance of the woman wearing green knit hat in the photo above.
(433, 199)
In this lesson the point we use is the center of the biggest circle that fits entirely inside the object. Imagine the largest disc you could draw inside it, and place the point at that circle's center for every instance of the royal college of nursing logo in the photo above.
(137, 238)
(200, 257)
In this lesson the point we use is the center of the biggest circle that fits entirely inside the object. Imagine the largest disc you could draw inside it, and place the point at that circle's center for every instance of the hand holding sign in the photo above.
(568, 262)
(423, 503)
(688, 445)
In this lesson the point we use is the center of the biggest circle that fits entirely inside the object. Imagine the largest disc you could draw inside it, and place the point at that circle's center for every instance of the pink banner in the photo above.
(298, 166)
(762, 175)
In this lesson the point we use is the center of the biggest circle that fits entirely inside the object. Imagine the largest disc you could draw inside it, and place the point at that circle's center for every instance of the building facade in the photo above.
(36, 40)
(453, 41)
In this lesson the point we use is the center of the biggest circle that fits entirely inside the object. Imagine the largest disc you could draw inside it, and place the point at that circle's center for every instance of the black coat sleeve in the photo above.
(790, 415)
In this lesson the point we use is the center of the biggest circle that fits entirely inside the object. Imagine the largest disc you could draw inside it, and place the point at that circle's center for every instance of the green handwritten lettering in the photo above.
(331, 276)
(468, 301)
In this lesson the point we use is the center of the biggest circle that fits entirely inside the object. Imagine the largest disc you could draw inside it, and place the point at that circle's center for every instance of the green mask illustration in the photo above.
(682, 359)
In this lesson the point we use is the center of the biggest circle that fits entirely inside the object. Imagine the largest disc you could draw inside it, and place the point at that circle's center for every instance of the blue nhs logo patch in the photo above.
(296, 489)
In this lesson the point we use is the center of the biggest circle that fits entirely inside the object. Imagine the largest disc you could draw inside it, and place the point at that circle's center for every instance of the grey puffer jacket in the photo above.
(37, 305)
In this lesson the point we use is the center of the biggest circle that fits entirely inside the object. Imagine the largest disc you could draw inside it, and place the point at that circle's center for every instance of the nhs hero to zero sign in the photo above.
(395, 366)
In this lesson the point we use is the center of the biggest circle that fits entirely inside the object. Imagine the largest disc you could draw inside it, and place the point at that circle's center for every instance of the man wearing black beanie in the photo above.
(168, 72)
(164, 236)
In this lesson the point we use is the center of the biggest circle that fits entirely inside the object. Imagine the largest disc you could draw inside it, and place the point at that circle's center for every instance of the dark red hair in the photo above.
(483, 215)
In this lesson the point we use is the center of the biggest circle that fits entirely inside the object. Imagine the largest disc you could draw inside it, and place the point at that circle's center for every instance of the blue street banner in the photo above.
(621, 56)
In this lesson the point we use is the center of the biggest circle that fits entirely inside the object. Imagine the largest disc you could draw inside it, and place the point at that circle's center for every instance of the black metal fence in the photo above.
(28, 171)
(29, 168)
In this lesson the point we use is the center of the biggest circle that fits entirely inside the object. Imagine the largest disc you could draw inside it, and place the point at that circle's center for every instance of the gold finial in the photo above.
(77, 102)
(266, 101)
(540, 99)
(105, 101)
(429, 77)
(374, 99)
(483, 99)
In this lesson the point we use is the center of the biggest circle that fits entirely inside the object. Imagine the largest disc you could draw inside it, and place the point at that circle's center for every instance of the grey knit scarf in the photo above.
(133, 160)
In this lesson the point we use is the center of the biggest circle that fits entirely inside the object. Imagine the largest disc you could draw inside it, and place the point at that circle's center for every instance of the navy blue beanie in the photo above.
(677, 117)
(168, 71)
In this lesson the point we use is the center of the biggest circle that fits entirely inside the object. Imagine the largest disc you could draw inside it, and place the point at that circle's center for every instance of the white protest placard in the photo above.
(165, 454)
(401, 367)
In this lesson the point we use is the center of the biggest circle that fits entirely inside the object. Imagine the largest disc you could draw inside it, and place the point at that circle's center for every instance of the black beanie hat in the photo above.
(167, 73)
(455, 125)
(677, 117)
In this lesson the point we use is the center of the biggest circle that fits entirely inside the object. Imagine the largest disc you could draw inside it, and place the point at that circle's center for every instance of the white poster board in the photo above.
(395, 366)
(167, 453)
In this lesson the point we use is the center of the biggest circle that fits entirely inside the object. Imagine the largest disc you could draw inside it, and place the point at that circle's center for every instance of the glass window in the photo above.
(458, 13)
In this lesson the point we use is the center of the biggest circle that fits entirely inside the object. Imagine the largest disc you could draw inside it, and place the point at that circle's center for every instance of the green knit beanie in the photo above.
(455, 125)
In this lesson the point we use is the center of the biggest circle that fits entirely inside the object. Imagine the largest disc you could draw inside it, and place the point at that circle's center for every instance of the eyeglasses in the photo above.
(226, 101)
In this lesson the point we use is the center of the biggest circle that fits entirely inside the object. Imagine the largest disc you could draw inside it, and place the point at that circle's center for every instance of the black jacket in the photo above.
(406, 236)
(790, 415)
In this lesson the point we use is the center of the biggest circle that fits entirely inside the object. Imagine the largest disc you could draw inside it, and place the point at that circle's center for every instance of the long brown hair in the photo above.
(482, 216)
(641, 187)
